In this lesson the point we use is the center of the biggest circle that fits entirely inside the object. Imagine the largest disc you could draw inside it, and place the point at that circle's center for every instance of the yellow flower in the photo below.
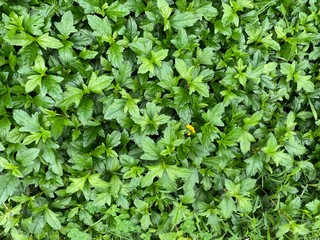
(191, 128)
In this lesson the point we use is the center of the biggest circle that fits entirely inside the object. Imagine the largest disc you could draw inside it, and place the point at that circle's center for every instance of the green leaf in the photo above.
(178, 213)
(270, 43)
(101, 27)
(244, 204)
(85, 110)
(98, 84)
(115, 110)
(8, 185)
(28, 123)
(65, 26)
(293, 147)
(4, 127)
(150, 149)
(89, 6)
(23, 39)
(245, 140)
(313, 206)
(253, 120)
(77, 184)
(229, 15)
(182, 68)
(71, 96)
(284, 159)
(182, 20)
(45, 41)
(164, 8)
(254, 164)
(27, 156)
(205, 56)
(115, 55)
(303, 82)
(214, 115)
(117, 10)
(227, 207)
(75, 234)
(52, 219)
(199, 86)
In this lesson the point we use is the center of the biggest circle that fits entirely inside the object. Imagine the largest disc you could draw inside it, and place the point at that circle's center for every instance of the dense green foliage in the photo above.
(138, 119)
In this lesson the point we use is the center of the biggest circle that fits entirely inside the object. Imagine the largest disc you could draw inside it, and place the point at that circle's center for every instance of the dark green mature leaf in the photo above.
(52, 219)
(28, 123)
(8, 184)
(101, 27)
(182, 20)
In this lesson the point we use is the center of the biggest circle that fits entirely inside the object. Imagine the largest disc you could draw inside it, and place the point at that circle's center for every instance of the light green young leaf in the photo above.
(254, 164)
(244, 204)
(65, 26)
(115, 110)
(164, 8)
(77, 184)
(158, 56)
(182, 68)
(117, 10)
(270, 43)
(33, 82)
(71, 96)
(199, 86)
(229, 16)
(45, 41)
(23, 39)
(27, 156)
(178, 213)
(214, 115)
(98, 84)
(115, 55)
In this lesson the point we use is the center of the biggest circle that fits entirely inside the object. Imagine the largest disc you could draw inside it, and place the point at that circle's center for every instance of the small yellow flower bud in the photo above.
(191, 128)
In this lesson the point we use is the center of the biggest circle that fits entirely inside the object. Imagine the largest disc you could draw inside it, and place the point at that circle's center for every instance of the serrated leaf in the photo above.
(23, 39)
(115, 55)
(254, 164)
(8, 184)
(101, 27)
(183, 20)
(164, 8)
(150, 149)
(28, 123)
(98, 84)
(117, 10)
(71, 96)
(85, 110)
(65, 26)
(182, 68)
(227, 206)
(45, 41)
(52, 219)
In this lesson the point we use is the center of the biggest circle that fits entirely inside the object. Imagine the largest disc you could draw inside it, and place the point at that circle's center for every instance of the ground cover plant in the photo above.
(159, 119)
